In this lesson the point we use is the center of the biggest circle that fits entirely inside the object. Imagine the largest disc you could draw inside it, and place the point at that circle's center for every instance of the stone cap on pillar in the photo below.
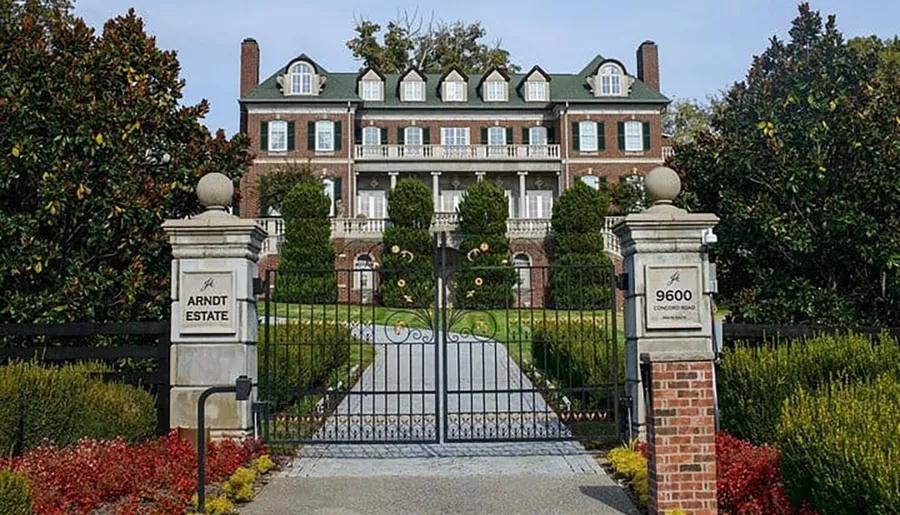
(215, 232)
(664, 226)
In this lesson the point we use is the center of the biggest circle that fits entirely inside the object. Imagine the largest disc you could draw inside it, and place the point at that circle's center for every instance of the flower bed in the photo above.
(158, 476)
(748, 478)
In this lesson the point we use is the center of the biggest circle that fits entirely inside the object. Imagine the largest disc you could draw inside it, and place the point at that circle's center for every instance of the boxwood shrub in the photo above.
(486, 278)
(840, 447)
(576, 353)
(580, 276)
(407, 261)
(755, 381)
(15, 494)
(65, 404)
(306, 268)
(303, 357)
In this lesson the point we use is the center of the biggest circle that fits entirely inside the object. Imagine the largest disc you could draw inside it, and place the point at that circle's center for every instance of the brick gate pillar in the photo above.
(668, 345)
(214, 319)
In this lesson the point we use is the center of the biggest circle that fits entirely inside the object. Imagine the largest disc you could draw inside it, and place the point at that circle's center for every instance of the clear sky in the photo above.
(704, 45)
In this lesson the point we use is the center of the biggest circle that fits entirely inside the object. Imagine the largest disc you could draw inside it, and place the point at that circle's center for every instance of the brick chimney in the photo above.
(648, 64)
(249, 66)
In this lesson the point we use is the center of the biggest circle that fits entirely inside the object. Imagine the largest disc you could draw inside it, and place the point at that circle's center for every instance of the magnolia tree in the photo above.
(801, 164)
(96, 151)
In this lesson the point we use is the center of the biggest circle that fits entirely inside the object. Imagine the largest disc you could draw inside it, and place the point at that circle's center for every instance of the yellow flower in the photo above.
(479, 281)
(99, 138)
(17, 149)
(83, 191)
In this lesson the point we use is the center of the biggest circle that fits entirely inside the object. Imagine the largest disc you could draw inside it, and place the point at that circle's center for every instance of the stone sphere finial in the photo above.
(215, 191)
(662, 185)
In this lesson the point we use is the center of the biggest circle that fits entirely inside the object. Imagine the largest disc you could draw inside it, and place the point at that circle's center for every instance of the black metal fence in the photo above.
(144, 365)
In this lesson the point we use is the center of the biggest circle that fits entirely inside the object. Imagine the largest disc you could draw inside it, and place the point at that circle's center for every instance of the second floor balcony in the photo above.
(373, 229)
(457, 152)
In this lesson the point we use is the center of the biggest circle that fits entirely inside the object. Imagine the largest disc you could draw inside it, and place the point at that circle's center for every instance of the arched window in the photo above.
(522, 263)
(610, 80)
(363, 273)
(301, 79)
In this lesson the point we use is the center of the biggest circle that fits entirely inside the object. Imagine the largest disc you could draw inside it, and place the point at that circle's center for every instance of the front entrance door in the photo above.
(454, 352)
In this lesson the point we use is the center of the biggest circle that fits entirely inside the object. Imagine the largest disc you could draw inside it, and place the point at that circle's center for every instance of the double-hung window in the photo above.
(278, 136)
(301, 79)
(413, 91)
(454, 136)
(536, 91)
(496, 136)
(412, 136)
(371, 90)
(634, 137)
(495, 91)
(610, 80)
(372, 204)
(371, 136)
(587, 133)
(537, 136)
(453, 91)
(539, 203)
(324, 136)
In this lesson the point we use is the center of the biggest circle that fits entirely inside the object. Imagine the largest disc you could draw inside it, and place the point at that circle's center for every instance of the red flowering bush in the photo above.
(156, 477)
(749, 479)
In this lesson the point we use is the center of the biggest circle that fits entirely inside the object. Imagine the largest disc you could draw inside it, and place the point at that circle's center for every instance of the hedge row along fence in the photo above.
(755, 381)
(840, 446)
(576, 354)
(67, 403)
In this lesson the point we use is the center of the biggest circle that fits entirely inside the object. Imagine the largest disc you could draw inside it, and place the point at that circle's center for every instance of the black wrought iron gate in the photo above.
(461, 347)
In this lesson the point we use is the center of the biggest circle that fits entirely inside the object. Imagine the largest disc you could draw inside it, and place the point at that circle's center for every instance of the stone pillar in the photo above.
(668, 330)
(214, 319)
(393, 176)
(436, 190)
(523, 206)
(479, 176)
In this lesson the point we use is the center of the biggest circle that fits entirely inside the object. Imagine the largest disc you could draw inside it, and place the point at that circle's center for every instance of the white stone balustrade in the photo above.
(456, 152)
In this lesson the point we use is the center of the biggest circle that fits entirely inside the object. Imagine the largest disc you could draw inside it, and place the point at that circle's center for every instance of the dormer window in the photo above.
(371, 90)
(536, 91)
(453, 91)
(610, 80)
(413, 91)
(495, 91)
(301, 79)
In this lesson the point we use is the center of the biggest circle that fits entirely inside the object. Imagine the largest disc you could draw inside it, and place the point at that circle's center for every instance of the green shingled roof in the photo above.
(341, 87)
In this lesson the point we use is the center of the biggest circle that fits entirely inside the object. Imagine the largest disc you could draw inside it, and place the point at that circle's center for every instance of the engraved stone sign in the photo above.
(673, 296)
(207, 303)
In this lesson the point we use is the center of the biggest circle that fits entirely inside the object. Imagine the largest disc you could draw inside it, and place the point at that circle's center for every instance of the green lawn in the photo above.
(510, 327)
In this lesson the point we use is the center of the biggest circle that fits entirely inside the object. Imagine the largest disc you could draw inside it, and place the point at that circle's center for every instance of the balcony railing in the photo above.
(457, 152)
(668, 152)
(373, 228)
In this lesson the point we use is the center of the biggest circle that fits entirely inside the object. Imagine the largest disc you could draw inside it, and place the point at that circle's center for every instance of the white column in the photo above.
(214, 320)
(479, 176)
(523, 206)
(393, 176)
(436, 189)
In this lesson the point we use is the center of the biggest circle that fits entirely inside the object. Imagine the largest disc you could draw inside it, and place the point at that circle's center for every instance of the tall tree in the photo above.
(801, 164)
(430, 45)
(684, 119)
(306, 268)
(407, 262)
(96, 151)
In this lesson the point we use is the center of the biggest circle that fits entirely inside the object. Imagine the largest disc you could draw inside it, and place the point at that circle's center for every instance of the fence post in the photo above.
(668, 345)
(214, 318)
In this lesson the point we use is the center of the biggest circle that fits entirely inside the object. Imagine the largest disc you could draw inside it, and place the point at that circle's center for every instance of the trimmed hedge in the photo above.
(486, 279)
(575, 354)
(65, 404)
(840, 447)
(407, 261)
(580, 276)
(754, 382)
(306, 268)
(15, 494)
(304, 356)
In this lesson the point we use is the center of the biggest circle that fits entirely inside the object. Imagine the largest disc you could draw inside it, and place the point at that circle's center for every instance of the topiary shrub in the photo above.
(306, 269)
(407, 261)
(486, 279)
(580, 271)
(839, 447)
(65, 404)
(754, 382)
(15, 494)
